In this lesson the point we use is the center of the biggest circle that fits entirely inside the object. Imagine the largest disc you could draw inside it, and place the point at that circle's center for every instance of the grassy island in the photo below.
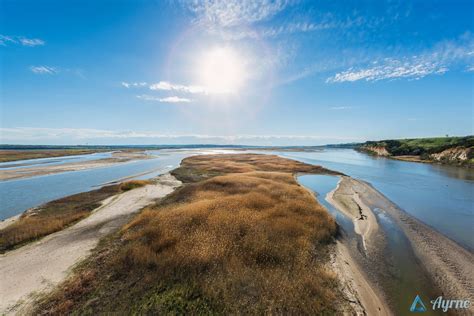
(240, 236)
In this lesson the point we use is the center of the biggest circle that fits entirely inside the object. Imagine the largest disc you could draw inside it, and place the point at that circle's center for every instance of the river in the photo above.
(440, 196)
(19, 195)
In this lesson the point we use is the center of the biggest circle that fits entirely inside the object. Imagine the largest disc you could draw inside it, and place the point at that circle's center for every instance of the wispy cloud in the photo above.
(31, 41)
(168, 86)
(172, 99)
(287, 29)
(134, 84)
(234, 12)
(391, 69)
(21, 40)
(437, 61)
(44, 70)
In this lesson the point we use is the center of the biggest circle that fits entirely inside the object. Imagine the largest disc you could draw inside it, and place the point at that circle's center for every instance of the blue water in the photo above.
(28, 163)
(321, 185)
(440, 196)
(19, 195)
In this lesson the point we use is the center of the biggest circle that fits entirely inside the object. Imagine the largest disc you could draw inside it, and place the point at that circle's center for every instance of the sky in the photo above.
(284, 72)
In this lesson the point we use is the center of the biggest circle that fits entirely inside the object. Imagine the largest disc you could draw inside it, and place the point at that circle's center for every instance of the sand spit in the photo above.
(448, 264)
(347, 200)
(361, 293)
(27, 172)
(41, 265)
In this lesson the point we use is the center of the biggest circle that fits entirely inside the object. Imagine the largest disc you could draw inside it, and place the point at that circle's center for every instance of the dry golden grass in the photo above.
(133, 184)
(197, 168)
(251, 242)
(58, 214)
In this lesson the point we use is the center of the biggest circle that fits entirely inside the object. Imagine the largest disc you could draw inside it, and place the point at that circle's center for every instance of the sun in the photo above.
(221, 70)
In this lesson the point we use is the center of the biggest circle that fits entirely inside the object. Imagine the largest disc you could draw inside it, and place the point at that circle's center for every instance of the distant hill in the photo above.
(452, 150)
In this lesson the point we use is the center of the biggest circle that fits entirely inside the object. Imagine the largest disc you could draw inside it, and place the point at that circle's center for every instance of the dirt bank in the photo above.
(27, 172)
(39, 266)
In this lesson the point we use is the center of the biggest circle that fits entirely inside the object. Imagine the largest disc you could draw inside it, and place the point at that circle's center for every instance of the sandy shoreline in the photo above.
(27, 172)
(362, 296)
(448, 264)
(39, 266)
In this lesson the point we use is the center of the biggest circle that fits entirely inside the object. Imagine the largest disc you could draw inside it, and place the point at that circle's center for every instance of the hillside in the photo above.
(450, 150)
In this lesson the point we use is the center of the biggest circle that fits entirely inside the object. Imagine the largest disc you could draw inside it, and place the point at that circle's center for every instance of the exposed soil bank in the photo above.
(41, 265)
(27, 172)
(448, 265)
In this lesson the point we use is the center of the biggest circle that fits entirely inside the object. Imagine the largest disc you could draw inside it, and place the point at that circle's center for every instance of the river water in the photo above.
(440, 196)
(18, 195)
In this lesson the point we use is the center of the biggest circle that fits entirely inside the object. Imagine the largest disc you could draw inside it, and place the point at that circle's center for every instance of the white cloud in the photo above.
(31, 41)
(285, 29)
(391, 69)
(436, 61)
(44, 70)
(21, 40)
(6, 39)
(173, 99)
(234, 12)
(168, 86)
(134, 84)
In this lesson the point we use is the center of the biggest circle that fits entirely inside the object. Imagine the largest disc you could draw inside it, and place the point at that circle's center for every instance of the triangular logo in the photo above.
(417, 306)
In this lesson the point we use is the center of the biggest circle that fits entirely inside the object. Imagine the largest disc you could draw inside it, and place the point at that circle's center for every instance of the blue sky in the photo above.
(236, 72)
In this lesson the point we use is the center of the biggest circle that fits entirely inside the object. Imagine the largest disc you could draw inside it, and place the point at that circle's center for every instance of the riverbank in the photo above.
(458, 151)
(363, 297)
(448, 265)
(117, 158)
(39, 266)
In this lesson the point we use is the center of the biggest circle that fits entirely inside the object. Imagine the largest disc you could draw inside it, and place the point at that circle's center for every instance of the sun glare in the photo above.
(221, 70)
